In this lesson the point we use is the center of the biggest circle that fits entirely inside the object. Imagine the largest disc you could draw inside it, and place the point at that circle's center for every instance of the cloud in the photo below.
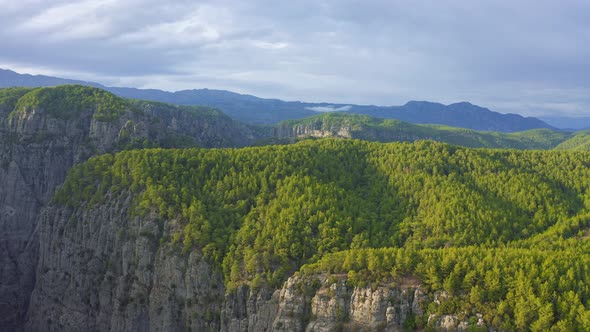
(330, 108)
(269, 45)
(528, 57)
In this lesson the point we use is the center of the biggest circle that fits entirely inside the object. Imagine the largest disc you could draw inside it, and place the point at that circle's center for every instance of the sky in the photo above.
(530, 57)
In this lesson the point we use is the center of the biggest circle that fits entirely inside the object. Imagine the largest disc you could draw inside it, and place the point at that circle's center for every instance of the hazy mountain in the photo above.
(463, 114)
(9, 78)
(568, 123)
(251, 109)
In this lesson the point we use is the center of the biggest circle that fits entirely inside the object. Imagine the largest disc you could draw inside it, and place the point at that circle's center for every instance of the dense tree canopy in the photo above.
(505, 229)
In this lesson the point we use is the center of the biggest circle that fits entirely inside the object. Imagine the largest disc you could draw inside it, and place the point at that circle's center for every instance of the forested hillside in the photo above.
(503, 233)
(364, 127)
(579, 141)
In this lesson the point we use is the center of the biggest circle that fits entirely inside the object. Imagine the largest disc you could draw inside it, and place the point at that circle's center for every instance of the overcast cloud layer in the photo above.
(528, 56)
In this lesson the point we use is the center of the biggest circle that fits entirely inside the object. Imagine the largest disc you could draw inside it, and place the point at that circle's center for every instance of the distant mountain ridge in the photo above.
(570, 123)
(462, 114)
(254, 110)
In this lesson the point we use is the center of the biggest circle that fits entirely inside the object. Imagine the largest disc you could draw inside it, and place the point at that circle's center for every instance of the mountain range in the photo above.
(255, 110)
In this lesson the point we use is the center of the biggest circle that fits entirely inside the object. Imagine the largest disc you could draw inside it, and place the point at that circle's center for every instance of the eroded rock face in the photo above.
(37, 150)
(34, 160)
(317, 131)
(100, 271)
(335, 305)
(368, 309)
(321, 130)
(245, 311)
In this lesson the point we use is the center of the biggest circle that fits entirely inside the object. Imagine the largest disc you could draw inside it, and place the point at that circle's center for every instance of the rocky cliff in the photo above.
(346, 129)
(312, 130)
(327, 304)
(39, 145)
(100, 269)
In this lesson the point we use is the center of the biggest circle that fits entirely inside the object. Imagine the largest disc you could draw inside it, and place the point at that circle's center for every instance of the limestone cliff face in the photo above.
(35, 154)
(345, 130)
(36, 151)
(101, 271)
(317, 130)
(325, 304)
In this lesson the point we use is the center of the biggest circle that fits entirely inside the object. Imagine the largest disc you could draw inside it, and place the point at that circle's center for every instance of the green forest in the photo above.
(67, 101)
(580, 140)
(505, 232)
(390, 130)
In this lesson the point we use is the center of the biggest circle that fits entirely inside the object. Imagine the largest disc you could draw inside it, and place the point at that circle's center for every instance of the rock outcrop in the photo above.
(317, 130)
(345, 128)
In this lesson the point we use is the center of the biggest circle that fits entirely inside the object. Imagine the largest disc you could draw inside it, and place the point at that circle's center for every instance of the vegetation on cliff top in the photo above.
(10, 96)
(67, 101)
(262, 213)
(513, 288)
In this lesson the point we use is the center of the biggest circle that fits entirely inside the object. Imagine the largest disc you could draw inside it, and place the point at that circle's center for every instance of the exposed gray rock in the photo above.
(244, 310)
(297, 306)
(317, 130)
(293, 308)
(100, 271)
(453, 323)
